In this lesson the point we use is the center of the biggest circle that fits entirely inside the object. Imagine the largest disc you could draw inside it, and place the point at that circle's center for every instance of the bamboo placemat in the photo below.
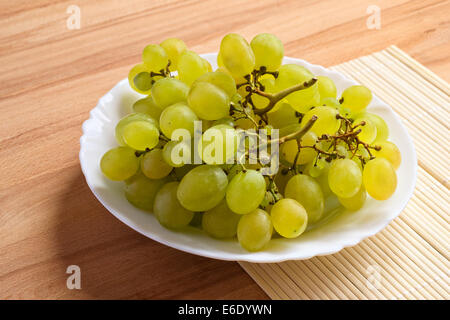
(409, 258)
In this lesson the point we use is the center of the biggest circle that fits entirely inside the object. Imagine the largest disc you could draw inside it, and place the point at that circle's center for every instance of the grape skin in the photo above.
(202, 188)
(344, 178)
(168, 91)
(177, 116)
(174, 48)
(289, 218)
(255, 230)
(237, 55)
(119, 163)
(168, 210)
(220, 222)
(390, 152)
(268, 51)
(141, 191)
(246, 191)
(379, 179)
(154, 166)
(208, 101)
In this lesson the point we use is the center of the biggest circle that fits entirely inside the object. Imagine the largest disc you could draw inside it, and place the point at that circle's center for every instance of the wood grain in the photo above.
(52, 76)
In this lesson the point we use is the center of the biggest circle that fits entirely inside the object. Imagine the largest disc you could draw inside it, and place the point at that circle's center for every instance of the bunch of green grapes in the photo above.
(181, 153)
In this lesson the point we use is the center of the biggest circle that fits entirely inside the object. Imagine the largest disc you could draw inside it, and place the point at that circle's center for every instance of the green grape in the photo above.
(290, 75)
(322, 179)
(168, 91)
(283, 116)
(236, 98)
(261, 102)
(140, 191)
(344, 178)
(177, 116)
(190, 67)
(128, 119)
(268, 51)
(246, 191)
(356, 202)
(208, 101)
(202, 188)
(362, 151)
(289, 218)
(139, 79)
(342, 151)
(119, 163)
(174, 48)
(221, 80)
(218, 144)
(154, 166)
(327, 88)
(177, 153)
(382, 127)
(168, 210)
(308, 193)
(155, 57)
(368, 130)
(220, 222)
(220, 62)
(207, 65)
(326, 122)
(356, 98)
(140, 135)
(316, 168)
(390, 152)
(254, 230)
(148, 107)
(226, 121)
(237, 55)
(289, 149)
(379, 179)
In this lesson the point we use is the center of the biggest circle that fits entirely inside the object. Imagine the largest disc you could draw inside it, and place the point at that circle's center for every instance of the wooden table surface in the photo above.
(52, 76)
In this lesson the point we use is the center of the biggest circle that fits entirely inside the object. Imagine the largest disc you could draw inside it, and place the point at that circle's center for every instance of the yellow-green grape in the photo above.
(126, 120)
(140, 135)
(208, 101)
(221, 80)
(308, 193)
(207, 65)
(362, 151)
(356, 98)
(356, 202)
(268, 51)
(174, 48)
(148, 107)
(139, 79)
(236, 98)
(306, 154)
(119, 163)
(261, 102)
(368, 130)
(177, 116)
(202, 188)
(289, 218)
(154, 166)
(220, 222)
(140, 191)
(190, 67)
(226, 121)
(390, 152)
(284, 116)
(327, 88)
(168, 210)
(155, 57)
(382, 127)
(331, 102)
(246, 191)
(218, 144)
(168, 91)
(220, 62)
(322, 179)
(290, 75)
(237, 55)
(379, 178)
(174, 151)
(254, 230)
(326, 122)
(344, 178)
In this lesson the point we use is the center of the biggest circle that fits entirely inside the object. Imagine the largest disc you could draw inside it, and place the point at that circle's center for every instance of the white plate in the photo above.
(347, 229)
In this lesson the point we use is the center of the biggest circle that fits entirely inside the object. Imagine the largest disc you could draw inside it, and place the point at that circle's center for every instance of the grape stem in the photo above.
(274, 98)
